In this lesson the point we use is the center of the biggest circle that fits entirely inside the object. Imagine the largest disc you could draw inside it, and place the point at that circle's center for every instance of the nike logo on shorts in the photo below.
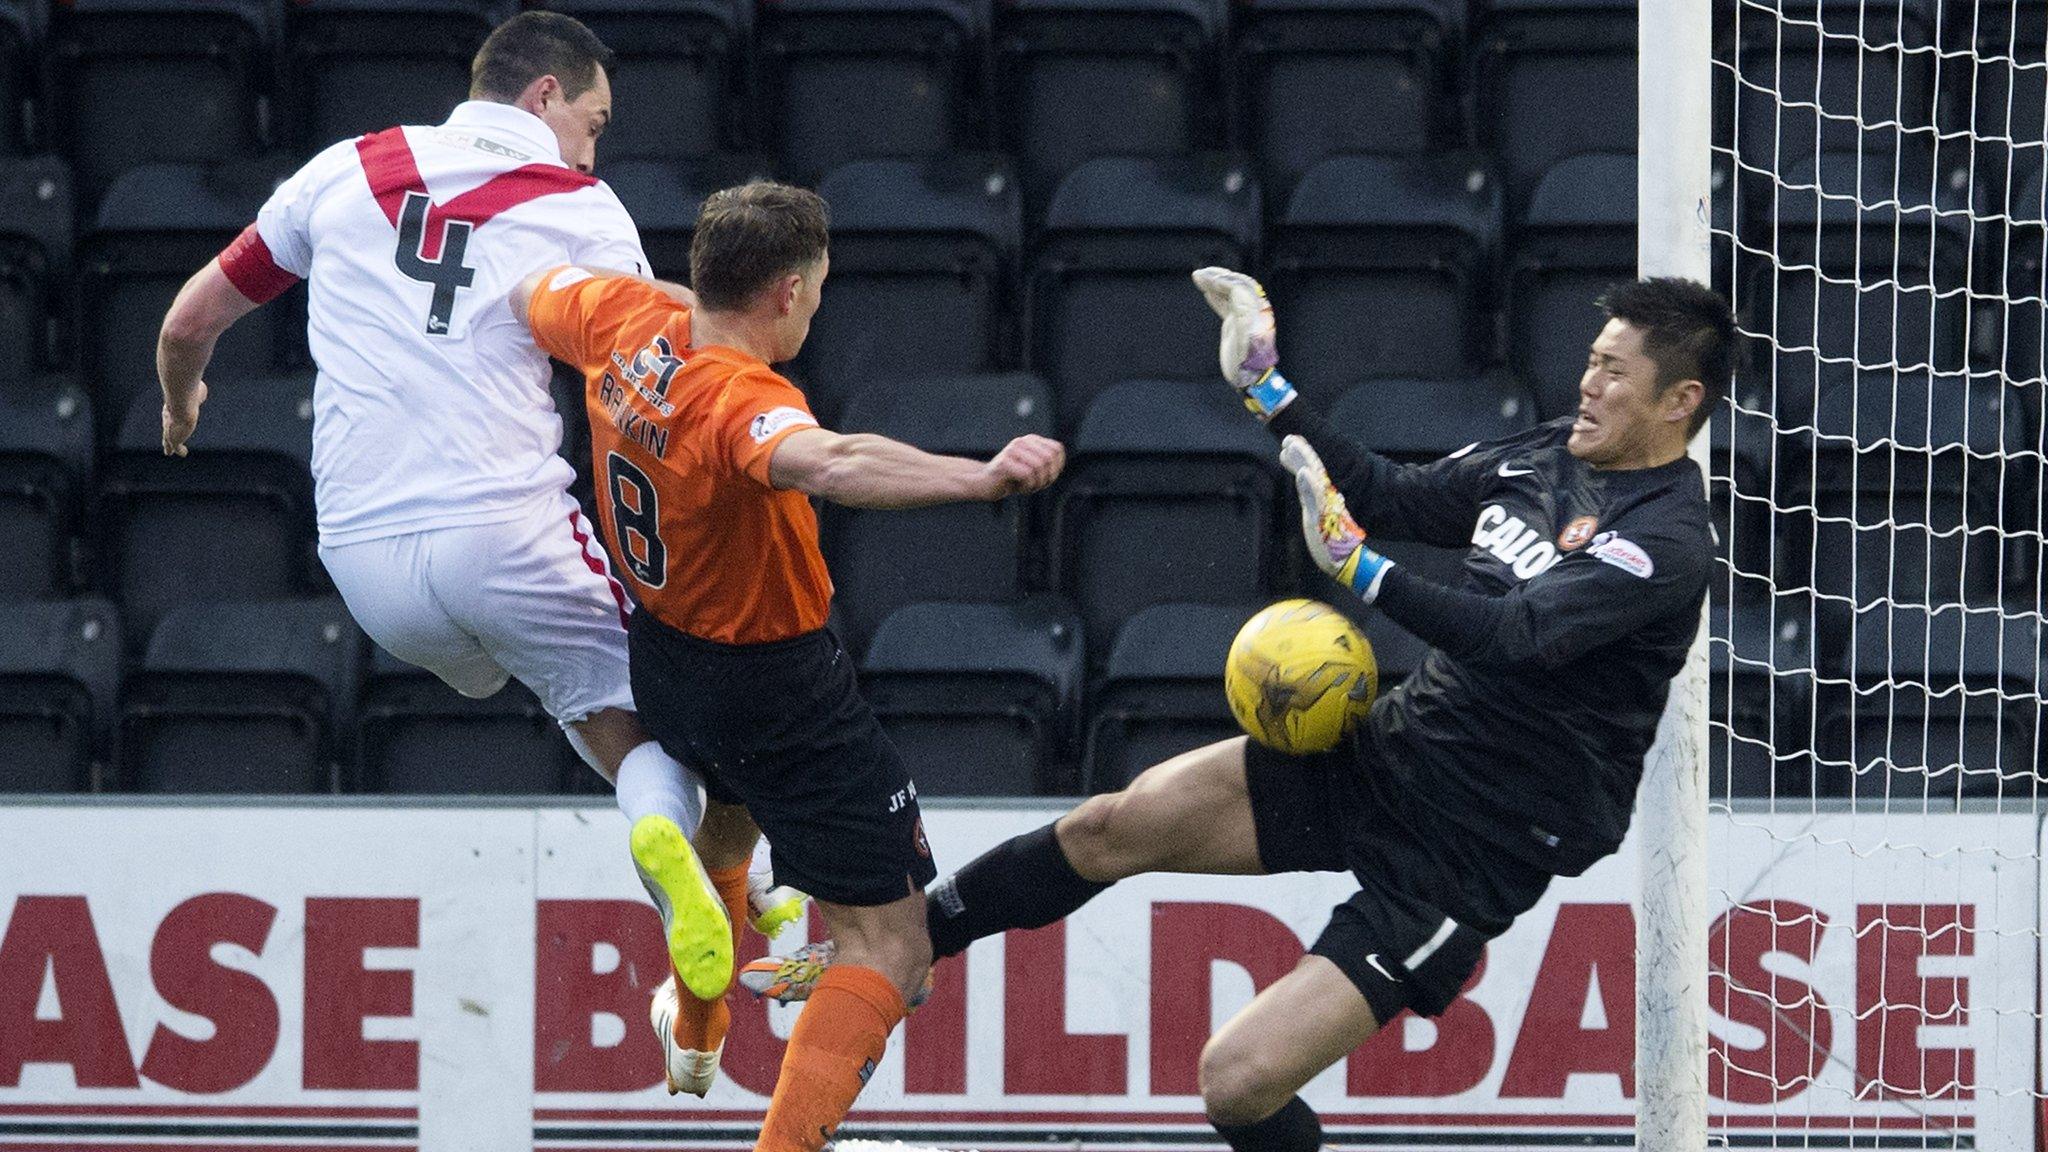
(1374, 960)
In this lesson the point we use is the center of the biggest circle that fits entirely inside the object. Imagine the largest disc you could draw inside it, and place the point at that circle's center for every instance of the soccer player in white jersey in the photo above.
(444, 512)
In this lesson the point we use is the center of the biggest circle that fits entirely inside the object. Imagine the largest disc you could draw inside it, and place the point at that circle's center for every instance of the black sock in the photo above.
(1024, 882)
(1294, 1128)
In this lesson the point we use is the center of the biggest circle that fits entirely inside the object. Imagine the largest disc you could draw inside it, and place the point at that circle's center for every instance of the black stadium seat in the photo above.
(1415, 421)
(1815, 76)
(1865, 217)
(851, 79)
(2006, 121)
(356, 66)
(1161, 692)
(132, 82)
(1553, 78)
(663, 197)
(417, 735)
(1577, 237)
(883, 560)
(1906, 493)
(17, 48)
(1149, 69)
(242, 697)
(1169, 497)
(924, 256)
(679, 89)
(45, 467)
(233, 520)
(1759, 682)
(35, 262)
(155, 227)
(1109, 290)
(1946, 705)
(1376, 268)
(60, 665)
(980, 698)
(1318, 78)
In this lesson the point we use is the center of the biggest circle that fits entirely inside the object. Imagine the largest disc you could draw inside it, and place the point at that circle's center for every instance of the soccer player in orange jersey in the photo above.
(705, 462)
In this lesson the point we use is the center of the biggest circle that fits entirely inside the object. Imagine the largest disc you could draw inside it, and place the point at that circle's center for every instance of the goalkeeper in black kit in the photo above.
(1510, 756)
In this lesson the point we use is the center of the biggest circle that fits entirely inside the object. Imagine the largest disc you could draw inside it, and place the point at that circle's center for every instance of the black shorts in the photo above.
(1431, 893)
(781, 728)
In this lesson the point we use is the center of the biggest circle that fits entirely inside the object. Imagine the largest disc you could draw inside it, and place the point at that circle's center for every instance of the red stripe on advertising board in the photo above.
(213, 1143)
(1196, 1119)
(211, 1111)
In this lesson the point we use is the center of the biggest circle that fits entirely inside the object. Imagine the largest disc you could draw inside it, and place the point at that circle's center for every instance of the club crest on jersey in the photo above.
(1513, 542)
(1576, 533)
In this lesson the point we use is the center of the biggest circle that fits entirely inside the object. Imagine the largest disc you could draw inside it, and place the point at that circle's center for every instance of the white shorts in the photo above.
(531, 598)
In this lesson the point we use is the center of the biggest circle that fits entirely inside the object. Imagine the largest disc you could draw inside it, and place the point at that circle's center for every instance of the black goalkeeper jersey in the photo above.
(1548, 668)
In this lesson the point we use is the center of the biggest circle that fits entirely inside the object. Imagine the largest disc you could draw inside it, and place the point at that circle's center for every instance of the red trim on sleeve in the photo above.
(252, 269)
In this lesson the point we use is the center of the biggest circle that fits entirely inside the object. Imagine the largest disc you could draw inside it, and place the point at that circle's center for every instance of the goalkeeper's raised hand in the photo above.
(1248, 353)
(1335, 541)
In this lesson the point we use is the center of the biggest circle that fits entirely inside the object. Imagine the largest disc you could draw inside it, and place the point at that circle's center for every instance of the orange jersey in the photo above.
(681, 439)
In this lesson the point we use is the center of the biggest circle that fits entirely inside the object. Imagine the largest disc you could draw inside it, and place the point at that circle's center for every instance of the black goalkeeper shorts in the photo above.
(781, 728)
(1431, 893)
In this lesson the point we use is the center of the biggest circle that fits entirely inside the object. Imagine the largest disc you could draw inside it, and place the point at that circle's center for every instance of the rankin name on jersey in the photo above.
(632, 425)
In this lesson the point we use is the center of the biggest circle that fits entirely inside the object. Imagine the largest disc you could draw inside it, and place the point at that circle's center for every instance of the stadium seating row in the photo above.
(1171, 496)
(984, 699)
(820, 82)
(1380, 267)
(1892, 700)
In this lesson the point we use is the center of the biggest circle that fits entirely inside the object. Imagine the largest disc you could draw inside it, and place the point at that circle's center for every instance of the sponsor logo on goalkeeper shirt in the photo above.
(1510, 540)
(1624, 554)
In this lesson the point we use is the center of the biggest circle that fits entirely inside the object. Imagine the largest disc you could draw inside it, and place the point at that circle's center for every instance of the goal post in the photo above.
(1673, 184)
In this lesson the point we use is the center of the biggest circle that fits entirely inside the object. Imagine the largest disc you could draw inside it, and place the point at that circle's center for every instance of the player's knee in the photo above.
(903, 957)
(1240, 1085)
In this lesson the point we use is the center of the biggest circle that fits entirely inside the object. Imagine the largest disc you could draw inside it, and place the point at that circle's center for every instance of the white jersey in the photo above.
(432, 407)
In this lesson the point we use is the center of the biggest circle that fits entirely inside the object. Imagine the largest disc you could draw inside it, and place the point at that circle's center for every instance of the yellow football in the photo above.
(1299, 675)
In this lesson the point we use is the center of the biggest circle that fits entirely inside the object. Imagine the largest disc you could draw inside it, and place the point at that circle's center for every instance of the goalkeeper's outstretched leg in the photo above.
(1189, 814)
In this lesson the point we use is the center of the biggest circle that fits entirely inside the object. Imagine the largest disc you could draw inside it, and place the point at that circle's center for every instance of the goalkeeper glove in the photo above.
(1248, 352)
(1335, 541)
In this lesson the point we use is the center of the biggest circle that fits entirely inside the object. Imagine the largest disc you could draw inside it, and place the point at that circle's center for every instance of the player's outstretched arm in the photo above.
(1589, 599)
(521, 298)
(1432, 503)
(207, 306)
(868, 471)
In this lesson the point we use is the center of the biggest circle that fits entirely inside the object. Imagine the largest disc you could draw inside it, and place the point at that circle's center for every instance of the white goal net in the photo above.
(1876, 729)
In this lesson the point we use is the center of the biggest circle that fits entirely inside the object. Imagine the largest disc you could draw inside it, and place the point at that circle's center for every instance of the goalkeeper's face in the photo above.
(1625, 420)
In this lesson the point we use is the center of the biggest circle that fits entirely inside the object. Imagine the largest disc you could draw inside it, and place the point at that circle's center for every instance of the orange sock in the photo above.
(732, 888)
(837, 1041)
(701, 1024)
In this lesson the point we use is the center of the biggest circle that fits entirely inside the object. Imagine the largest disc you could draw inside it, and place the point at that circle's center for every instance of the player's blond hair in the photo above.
(750, 236)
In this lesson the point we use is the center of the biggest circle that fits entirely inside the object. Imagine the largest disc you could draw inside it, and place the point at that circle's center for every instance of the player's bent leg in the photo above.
(1253, 1067)
(1192, 813)
(725, 840)
(694, 922)
(844, 1029)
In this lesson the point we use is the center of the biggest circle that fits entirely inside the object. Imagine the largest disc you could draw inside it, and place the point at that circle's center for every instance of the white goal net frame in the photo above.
(1863, 179)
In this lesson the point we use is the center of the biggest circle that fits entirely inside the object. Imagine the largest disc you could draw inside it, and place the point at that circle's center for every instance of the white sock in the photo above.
(651, 783)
